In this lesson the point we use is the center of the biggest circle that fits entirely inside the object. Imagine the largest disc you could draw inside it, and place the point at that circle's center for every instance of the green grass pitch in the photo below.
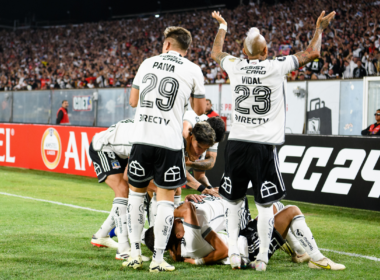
(40, 240)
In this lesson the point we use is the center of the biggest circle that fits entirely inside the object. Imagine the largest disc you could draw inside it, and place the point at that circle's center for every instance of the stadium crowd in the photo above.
(108, 53)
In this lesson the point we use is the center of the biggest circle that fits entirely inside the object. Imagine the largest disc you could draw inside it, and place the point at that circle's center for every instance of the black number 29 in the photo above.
(259, 97)
(168, 88)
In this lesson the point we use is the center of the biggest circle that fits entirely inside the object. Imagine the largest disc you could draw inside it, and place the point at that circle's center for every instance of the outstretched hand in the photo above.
(324, 21)
(218, 17)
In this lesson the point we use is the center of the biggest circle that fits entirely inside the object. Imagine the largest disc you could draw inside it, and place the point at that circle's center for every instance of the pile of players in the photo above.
(145, 162)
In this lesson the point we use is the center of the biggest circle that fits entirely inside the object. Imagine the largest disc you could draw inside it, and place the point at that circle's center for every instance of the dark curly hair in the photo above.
(149, 239)
(219, 127)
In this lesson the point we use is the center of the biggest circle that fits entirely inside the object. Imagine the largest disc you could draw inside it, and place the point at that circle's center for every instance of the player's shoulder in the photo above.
(231, 60)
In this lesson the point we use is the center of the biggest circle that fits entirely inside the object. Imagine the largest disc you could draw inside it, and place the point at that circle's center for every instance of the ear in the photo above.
(244, 51)
(265, 51)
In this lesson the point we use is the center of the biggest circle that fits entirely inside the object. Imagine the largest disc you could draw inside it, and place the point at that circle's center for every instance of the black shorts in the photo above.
(166, 167)
(253, 240)
(258, 163)
(106, 163)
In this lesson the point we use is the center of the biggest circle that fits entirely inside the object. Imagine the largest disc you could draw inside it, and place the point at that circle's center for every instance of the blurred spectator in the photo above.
(62, 115)
(108, 53)
(359, 71)
(373, 129)
(209, 111)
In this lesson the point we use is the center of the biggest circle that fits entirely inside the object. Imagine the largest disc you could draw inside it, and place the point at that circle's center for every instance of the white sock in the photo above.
(162, 228)
(294, 243)
(177, 200)
(152, 210)
(108, 224)
(120, 216)
(232, 224)
(303, 234)
(264, 229)
(135, 221)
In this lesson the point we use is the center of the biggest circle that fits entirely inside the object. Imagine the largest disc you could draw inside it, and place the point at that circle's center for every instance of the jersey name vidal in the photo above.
(258, 94)
(165, 83)
(115, 139)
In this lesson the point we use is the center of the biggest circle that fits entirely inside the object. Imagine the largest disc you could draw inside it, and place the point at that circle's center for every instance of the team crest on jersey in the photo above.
(268, 189)
(115, 164)
(51, 148)
(227, 186)
(172, 174)
(136, 169)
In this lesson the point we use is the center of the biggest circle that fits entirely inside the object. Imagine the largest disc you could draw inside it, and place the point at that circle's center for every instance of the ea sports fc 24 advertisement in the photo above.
(62, 149)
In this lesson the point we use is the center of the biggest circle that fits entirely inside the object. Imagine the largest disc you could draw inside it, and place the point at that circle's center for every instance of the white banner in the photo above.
(295, 107)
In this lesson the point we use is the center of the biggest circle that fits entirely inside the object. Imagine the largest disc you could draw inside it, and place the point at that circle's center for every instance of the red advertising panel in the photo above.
(62, 149)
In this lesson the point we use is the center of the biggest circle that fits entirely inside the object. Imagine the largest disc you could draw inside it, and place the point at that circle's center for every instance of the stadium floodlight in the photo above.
(157, 15)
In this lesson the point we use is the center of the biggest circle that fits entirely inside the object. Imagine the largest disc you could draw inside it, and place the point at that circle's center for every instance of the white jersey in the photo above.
(211, 212)
(115, 139)
(165, 83)
(258, 94)
(193, 244)
(193, 119)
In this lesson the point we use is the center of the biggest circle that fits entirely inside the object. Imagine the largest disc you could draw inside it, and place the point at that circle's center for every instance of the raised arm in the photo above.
(217, 53)
(314, 49)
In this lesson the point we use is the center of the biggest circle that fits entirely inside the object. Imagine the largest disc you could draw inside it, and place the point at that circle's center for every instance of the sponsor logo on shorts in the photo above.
(51, 148)
(268, 189)
(172, 174)
(115, 164)
(136, 169)
(98, 169)
(227, 186)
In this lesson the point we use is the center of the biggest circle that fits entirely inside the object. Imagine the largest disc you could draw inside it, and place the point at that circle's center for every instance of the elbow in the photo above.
(315, 55)
(200, 111)
(133, 104)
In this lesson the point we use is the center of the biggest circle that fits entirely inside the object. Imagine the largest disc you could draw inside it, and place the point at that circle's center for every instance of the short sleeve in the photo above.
(189, 117)
(228, 62)
(286, 64)
(199, 87)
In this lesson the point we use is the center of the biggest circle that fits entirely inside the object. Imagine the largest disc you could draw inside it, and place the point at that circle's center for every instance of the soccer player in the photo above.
(194, 241)
(207, 161)
(160, 91)
(258, 125)
(109, 151)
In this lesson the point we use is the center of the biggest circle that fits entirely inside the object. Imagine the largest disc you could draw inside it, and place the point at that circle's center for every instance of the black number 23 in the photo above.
(262, 95)
(170, 94)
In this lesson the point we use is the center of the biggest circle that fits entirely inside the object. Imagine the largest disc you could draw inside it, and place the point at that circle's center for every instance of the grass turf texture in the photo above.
(40, 240)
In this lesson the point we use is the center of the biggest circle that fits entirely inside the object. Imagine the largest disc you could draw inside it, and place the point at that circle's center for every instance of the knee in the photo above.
(294, 210)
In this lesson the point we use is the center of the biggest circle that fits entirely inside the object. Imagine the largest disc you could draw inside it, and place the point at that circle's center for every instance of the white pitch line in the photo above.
(102, 211)
(55, 202)
(351, 254)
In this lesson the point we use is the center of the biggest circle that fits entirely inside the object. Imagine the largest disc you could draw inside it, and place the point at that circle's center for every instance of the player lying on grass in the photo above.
(192, 239)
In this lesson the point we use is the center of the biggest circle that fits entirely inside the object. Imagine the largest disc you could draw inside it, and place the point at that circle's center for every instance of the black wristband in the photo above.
(209, 187)
(201, 188)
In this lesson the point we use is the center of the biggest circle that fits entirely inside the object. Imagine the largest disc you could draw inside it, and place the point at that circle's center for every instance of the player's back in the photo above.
(115, 139)
(165, 83)
(258, 91)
